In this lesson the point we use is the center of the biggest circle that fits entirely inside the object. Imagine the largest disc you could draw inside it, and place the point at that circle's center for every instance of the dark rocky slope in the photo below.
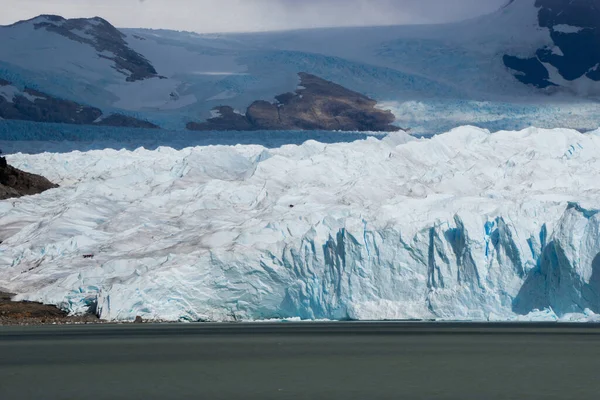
(16, 183)
(579, 44)
(107, 40)
(125, 121)
(30, 313)
(33, 105)
(316, 105)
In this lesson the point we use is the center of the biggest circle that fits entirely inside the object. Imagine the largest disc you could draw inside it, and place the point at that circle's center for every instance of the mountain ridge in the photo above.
(500, 71)
(574, 53)
(103, 36)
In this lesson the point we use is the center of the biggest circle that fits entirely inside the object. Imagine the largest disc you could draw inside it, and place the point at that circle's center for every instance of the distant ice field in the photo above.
(31, 138)
(422, 118)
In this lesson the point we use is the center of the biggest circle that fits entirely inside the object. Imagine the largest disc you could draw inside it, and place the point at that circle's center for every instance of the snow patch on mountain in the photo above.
(9, 92)
(583, 86)
(563, 28)
(466, 225)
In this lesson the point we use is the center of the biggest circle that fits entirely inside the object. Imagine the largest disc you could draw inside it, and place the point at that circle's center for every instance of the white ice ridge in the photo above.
(466, 225)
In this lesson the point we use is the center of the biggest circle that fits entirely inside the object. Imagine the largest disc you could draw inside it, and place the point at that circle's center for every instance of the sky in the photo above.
(207, 16)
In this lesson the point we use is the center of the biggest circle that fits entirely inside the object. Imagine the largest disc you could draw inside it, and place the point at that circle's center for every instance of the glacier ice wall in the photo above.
(466, 225)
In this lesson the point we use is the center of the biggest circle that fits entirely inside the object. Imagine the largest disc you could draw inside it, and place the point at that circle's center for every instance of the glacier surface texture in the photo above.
(467, 225)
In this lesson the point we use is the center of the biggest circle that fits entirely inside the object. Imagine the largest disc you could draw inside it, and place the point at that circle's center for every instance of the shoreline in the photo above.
(15, 313)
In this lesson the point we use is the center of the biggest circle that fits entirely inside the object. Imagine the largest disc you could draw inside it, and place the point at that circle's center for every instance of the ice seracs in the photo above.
(466, 225)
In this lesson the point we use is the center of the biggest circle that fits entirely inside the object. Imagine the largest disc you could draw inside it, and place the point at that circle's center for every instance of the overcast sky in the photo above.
(250, 15)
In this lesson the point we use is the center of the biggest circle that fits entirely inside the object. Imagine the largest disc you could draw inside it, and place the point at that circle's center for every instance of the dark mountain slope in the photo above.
(32, 105)
(316, 105)
(103, 37)
(16, 183)
(575, 31)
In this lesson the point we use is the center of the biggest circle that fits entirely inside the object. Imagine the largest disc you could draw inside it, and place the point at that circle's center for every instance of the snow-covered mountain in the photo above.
(28, 104)
(572, 57)
(533, 62)
(466, 225)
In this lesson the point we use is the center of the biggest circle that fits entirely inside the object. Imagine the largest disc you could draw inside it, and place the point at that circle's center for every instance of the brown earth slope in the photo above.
(317, 104)
(30, 313)
(16, 183)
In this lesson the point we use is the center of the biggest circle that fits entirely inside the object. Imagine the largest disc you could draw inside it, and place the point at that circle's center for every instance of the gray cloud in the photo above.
(251, 15)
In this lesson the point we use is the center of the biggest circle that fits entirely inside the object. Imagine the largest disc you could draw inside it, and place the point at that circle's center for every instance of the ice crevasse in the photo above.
(468, 225)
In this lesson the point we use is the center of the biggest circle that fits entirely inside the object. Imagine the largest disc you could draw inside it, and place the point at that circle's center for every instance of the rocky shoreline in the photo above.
(25, 313)
(31, 313)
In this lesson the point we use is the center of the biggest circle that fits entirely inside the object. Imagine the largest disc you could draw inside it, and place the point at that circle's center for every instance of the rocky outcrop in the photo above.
(317, 104)
(125, 121)
(31, 313)
(16, 183)
(228, 120)
(575, 31)
(530, 71)
(32, 105)
(108, 41)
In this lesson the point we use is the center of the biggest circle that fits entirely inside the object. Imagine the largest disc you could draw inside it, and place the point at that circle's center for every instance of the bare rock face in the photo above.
(316, 105)
(16, 183)
(32, 105)
(125, 122)
(106, 39)
(575, 31)
(228, 120)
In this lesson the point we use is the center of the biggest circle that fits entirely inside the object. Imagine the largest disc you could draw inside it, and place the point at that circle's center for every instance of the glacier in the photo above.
(467, 225)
